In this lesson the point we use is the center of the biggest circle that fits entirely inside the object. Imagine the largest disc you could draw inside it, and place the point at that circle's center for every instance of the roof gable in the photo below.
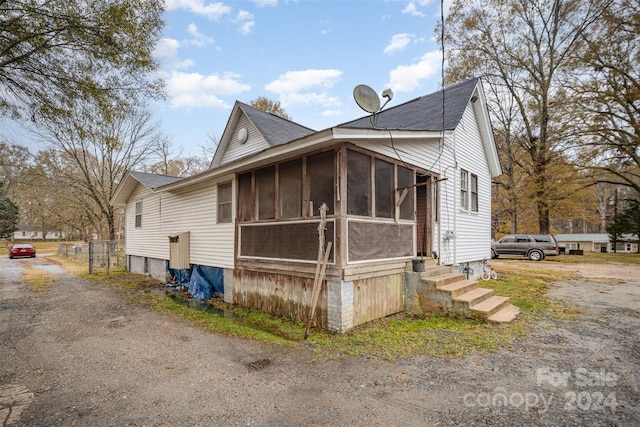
(132, 179)
(264, 130)
(424, 113)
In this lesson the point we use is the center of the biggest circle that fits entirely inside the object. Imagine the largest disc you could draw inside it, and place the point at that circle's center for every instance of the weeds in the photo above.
(38, 280)
(397, 336)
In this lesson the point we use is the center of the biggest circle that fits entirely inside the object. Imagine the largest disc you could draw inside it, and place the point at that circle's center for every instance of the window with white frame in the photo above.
(139, 214)
(474, 193)
(464, 190)
(224, 202)
(468, 191)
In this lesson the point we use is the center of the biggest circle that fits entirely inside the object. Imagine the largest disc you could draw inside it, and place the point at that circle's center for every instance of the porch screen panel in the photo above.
(320, 181)
(405, 178)
(295, 241)
(376, 240)
(358, 183)
(290, 188)
(266, 189)
(384, 189)
(245, 198)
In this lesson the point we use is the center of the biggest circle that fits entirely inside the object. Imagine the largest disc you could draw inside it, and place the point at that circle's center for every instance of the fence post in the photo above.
(108, 256)
(90, 257)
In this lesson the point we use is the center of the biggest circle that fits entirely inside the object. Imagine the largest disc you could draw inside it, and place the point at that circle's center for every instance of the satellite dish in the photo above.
(366, 98)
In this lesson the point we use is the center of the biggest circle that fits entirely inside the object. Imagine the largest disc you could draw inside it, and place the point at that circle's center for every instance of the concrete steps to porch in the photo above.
(466, 298)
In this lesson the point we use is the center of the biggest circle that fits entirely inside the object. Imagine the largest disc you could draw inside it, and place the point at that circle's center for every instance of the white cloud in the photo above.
(199, 39)
(193, 90)
(167, 50)
(306, 87)
(397, 43)
(245, 19)
(406, 78)
(332, 113)
(212, 10)
(412, 7)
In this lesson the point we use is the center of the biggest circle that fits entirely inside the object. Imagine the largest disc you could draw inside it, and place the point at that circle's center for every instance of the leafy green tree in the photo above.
(8, 214)
(56, 52)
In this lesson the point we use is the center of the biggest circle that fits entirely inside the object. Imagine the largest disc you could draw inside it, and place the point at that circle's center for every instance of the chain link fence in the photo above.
(98, 254)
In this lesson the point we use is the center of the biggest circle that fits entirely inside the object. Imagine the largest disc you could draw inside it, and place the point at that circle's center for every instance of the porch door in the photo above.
(423, 216)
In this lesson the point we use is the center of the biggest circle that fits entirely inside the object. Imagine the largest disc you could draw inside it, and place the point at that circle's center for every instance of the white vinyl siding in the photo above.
(472, 230)
(193, 210)
(255, 143)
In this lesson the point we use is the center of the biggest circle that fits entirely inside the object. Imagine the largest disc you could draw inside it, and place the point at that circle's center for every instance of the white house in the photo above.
(411, 181)
(34, 232)
(597, 242)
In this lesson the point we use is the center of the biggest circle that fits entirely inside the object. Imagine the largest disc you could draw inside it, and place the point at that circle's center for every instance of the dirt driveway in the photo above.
(80, 354)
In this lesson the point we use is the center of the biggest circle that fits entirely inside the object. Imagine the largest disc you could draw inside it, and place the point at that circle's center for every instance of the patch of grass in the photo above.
(38, 280)
(397, 336)
(527, 289)
(597, 258)
(69, 265)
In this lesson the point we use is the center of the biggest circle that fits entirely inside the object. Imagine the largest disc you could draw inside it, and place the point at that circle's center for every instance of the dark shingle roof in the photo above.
(154, 181)
(424, 113)
(274, 129)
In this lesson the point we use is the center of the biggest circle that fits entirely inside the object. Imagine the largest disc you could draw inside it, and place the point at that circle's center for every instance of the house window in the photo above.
(290, 189)
(468, 191)
(474, 193)
(384, 189)
(320, 182)
(224, 202)
(358, 183)
(573, 246)
(266, 192)
(24, 234)
(464, 190)
(139, 214)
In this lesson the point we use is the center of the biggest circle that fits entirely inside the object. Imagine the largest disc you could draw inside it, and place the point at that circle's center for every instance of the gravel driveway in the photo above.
(81, 354)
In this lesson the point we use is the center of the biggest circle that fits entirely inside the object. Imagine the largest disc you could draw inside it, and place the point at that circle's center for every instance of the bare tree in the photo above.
(523, 48)
(270, 106)
(93, 149)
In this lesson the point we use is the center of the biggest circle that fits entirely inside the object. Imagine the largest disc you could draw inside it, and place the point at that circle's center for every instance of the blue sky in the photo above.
(309, 55)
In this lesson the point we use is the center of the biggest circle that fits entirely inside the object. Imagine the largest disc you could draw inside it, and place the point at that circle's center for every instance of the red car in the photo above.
(22, 249)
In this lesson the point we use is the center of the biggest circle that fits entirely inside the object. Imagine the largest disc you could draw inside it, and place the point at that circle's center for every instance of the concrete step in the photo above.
(488, 307)
(504, 315)
(475, 296)
(459, 288)
(443, 279)
(435, 270)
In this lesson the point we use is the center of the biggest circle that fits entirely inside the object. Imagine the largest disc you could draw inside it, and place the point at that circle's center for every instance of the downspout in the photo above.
(454, 240)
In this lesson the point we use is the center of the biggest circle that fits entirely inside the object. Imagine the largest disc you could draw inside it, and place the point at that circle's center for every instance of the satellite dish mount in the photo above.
(368, 100)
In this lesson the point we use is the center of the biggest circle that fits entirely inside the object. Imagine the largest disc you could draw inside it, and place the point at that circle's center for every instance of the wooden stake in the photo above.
(317, 285)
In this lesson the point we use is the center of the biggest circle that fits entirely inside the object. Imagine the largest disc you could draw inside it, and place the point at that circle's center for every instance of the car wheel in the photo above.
(10, 257)
(536, 255)
(494, 255)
